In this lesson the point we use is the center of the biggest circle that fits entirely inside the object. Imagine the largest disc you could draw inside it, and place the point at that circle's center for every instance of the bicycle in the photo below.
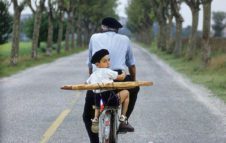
(108, 119)
(108, 125)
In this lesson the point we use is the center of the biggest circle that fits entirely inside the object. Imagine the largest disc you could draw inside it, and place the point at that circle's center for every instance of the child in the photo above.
(103, 74)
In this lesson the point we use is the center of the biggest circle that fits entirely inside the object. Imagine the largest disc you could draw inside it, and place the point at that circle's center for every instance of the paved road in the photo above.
(33, 109)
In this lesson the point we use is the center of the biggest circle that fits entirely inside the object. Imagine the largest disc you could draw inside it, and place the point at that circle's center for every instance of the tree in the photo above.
(37, 22)
(16, 30)
(160, 9)
(5, 22)
(60, 24)
(50, 13)
(140, 19)
(206, 49)
(69, 8)
(219, 25)
(29, 26)
(194, 7)
(169, 37)
(89, 15)
(175, 6)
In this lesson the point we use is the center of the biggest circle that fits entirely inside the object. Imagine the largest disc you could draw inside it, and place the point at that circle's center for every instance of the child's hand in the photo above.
(123, 75)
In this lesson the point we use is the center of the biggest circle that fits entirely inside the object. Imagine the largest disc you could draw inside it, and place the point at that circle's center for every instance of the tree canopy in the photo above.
(219, 19)
(5, 22)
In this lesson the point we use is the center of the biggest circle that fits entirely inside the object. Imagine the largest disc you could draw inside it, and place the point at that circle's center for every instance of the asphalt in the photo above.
(33, 108)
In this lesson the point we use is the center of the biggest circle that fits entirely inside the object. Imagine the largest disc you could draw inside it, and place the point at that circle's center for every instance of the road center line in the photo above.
(52, 129)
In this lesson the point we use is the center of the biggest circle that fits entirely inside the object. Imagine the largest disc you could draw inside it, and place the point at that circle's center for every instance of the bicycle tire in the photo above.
(113, 129)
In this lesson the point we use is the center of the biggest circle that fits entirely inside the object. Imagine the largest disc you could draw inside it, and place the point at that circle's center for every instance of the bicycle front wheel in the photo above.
(105, 127)
(113, 129)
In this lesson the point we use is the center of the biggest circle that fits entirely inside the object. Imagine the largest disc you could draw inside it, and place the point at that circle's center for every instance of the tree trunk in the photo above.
(72, 33)
(79, 37)
(15, 37)
(160, 9)
(67, 37)
(145, 35)
(206, 33)
(193, 37)
(50, 36)
(177, 50)
(60, 32)
(169, 39)
(162, 35)
(35, 37)
(67, 33)
(79, 32)
(85, 36)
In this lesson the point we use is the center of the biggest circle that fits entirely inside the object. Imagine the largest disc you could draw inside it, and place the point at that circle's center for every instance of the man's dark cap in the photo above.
(111, 23)
(99, 55)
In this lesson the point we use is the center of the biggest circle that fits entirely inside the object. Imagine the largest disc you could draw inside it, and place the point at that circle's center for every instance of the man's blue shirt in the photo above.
(119, 48)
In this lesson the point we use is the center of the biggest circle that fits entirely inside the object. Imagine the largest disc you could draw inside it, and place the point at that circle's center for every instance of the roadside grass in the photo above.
(213, 77)
(24, 60)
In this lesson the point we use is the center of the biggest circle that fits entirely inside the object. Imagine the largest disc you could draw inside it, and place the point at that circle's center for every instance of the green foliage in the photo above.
(140, 15)
(91, 12)
(219, 23)
(213, 76)
(5, 22)
(29, 24)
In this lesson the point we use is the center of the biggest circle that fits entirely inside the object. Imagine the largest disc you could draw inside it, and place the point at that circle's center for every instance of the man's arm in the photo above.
(89, 57)
(90, 70)
(132, 71)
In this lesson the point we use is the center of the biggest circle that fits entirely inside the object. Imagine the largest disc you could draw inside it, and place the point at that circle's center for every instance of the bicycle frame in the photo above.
(108, 125)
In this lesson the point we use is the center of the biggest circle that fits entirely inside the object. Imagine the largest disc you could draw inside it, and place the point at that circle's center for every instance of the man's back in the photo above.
(118, 46)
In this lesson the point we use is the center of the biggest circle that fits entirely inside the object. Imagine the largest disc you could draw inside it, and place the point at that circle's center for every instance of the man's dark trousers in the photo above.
(88, 112)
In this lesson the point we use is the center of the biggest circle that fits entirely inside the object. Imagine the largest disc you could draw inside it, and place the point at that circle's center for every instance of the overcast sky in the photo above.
(217, 5)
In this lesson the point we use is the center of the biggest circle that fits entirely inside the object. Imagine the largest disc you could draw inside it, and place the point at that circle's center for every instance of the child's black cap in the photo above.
(99, 55)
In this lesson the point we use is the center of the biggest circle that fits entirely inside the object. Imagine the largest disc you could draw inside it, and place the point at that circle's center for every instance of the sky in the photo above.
(217, 5)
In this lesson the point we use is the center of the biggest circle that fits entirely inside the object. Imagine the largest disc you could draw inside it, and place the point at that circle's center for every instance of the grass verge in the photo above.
(24, 60)
(213, 77)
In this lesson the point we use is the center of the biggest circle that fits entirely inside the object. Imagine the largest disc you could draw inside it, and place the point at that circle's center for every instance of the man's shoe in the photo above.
(121, 128)
(125, 127)
(131, 128)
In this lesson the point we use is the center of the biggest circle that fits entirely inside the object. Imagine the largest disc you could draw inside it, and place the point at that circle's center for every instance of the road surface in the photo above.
(33, 109)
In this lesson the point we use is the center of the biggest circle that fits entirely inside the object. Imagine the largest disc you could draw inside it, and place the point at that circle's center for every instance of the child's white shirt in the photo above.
(102, 75)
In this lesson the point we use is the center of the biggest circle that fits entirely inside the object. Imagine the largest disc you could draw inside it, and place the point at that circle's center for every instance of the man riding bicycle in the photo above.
(121, 56)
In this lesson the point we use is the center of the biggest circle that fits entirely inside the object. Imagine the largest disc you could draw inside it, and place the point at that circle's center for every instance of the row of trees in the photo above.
(77, 16)
(143, 14)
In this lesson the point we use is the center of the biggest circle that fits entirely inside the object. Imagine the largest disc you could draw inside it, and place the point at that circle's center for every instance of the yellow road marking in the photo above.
(52, 129)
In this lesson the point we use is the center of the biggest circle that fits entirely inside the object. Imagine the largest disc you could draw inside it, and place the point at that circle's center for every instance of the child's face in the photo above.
(104, 62)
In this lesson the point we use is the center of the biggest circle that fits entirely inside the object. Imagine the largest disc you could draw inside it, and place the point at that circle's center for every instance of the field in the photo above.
(24, 60)
(213, 77)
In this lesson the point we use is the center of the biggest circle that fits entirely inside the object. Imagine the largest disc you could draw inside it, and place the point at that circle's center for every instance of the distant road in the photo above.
(33, 109)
